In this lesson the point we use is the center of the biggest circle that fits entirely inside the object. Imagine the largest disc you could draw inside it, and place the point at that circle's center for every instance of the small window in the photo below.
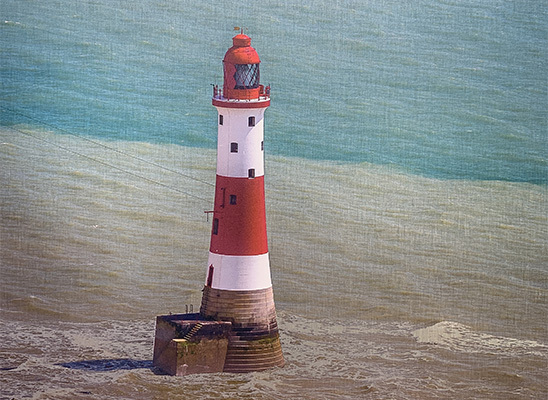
(232, 199)
(215, 226)
(220, 119)
(251, 121)
(233, 147)
(262, 145)
(251, 172)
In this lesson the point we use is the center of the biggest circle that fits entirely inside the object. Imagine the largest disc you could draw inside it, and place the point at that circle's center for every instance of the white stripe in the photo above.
(235, 129)
(240, 272)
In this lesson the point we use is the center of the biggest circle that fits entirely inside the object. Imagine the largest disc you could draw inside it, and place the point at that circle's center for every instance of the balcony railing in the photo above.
(264, 94)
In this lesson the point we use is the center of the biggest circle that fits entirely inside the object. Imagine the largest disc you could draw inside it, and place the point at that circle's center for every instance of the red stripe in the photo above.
(241, 228)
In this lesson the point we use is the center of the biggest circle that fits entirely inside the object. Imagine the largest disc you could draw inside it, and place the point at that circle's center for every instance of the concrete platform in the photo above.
(186, 344)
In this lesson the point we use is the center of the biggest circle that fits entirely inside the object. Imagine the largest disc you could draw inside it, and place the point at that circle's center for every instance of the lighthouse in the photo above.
(236, 329)
(238, 285)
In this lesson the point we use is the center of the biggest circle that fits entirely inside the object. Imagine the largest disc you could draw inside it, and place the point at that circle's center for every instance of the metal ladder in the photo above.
(193, 331)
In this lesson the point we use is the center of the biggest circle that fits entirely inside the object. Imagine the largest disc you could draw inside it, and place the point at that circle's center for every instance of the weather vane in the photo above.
(241, 29)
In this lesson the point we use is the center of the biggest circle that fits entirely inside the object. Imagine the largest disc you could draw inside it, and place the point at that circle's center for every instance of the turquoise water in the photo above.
(437, 88)
(406, 193)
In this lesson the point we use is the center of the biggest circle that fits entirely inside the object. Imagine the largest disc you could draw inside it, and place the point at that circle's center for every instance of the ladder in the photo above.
(193, 331)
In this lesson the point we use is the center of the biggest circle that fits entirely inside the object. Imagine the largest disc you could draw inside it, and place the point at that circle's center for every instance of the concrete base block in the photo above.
(185, 344)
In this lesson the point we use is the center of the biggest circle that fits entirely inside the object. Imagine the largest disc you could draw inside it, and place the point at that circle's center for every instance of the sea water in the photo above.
(406, 188)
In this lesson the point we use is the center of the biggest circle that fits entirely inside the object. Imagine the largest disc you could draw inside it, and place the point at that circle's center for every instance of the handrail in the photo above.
(264, 94)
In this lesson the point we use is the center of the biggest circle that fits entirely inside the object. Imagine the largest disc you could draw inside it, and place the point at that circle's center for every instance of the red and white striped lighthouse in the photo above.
(238, 286)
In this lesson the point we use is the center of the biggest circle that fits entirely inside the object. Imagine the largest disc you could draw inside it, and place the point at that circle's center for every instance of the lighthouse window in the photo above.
(220, 119)
(232, 199)
(251, 172)
(246, 76)
(215, 230)
(262, 145)
(251, 121)
(234, 147)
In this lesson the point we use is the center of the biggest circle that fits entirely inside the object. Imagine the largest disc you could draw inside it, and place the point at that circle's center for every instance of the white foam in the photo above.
(459, 337)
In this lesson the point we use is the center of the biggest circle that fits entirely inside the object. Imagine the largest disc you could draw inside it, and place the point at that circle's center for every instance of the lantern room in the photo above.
(241, 71)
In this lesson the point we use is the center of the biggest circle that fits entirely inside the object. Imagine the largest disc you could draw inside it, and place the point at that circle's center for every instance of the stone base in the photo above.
(253, 342)
(185, 344)
(235, 331)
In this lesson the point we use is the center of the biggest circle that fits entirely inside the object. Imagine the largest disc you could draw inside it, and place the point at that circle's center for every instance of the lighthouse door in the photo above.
(210, 276)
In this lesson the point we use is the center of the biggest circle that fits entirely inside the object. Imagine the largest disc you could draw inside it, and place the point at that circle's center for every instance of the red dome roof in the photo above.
(241, 40)
(241, 52)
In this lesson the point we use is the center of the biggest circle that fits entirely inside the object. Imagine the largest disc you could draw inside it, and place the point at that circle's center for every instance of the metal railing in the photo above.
(264, 93)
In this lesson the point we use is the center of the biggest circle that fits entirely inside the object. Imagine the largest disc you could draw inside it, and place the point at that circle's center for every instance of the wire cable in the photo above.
(109, 165)
(104, 146)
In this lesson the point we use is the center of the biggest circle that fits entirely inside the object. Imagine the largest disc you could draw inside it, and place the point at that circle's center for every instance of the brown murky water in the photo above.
(387, 285)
